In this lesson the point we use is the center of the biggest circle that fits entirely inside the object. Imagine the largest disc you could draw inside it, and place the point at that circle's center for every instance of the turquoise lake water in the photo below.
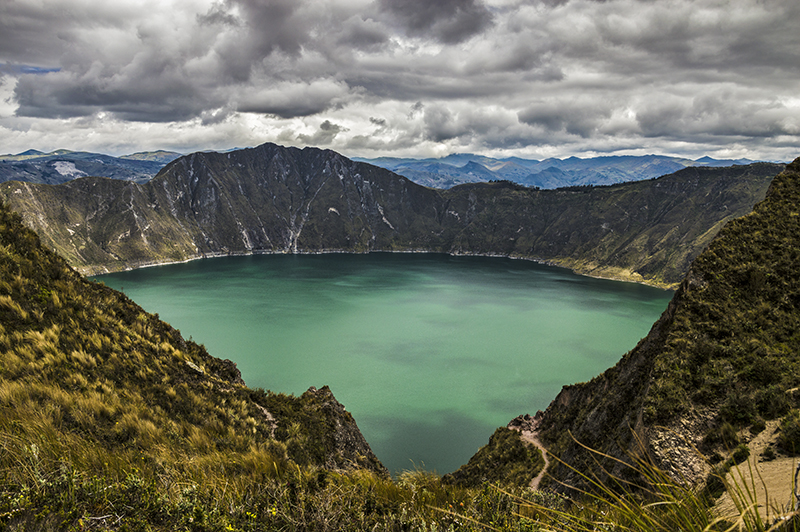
(430, 353)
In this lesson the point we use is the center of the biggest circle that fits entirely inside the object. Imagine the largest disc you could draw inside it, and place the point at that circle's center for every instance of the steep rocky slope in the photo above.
(272, 199)
(110, 420)
(724, 356)
(83, 367)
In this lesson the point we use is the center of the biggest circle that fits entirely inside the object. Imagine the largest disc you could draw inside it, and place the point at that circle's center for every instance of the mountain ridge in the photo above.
(550, 173)
(723, 357)
(61, 166)
(271, 199)
(37, 167)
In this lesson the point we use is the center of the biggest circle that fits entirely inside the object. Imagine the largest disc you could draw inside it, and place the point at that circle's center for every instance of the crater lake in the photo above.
(429, 352)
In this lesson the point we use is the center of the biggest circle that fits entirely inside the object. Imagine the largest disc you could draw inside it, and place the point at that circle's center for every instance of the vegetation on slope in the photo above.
(110, 420)
(644, 231)
(103, 403)
(505, 460)
(734, 343)
(272, 199)
(724, 356)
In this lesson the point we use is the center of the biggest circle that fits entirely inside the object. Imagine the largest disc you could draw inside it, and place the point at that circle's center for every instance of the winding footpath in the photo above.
(531, 437)
(527, 427)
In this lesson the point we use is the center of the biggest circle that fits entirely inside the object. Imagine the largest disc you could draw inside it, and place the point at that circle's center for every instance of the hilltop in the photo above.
(272, 199)
(722, 361)
(60, 166)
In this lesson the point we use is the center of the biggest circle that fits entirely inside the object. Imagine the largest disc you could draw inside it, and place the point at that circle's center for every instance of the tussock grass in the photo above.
(650, 500)
(9, 305)
(110, 420)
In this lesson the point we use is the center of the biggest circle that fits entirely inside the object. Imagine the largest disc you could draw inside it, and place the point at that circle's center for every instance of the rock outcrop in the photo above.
(347, 446)
(723, 355)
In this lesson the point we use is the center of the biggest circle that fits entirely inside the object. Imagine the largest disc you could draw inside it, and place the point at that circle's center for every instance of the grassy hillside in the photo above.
(724, 357)
(102, 404)
(646, 231)
(110, 420)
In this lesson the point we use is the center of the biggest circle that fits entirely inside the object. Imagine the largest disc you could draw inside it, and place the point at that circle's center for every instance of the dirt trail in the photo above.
(769, 483)
(527, 427)
(532, 438)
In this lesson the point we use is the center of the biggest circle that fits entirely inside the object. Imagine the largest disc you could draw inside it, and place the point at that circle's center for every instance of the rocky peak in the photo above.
(347, 446)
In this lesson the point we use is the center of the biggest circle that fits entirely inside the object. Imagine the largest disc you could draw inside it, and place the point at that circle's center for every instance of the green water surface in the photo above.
(430, 353)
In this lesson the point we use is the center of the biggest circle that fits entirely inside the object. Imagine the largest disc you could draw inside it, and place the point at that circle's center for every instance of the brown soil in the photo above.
(533, 439)
(767, 485)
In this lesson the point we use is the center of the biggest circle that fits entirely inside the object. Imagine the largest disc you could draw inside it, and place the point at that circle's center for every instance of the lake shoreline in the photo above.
(98, 270)
(430, 352)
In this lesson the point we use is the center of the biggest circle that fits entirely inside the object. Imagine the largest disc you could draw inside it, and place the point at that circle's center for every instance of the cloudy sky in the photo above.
(532, 78)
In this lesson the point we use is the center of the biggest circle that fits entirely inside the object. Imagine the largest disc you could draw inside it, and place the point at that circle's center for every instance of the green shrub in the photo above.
(739, 408)
(789, 437)
(740, 454)
(724, 435)
(768, 454)
(758, 425)
(505, 459)
(772, 402)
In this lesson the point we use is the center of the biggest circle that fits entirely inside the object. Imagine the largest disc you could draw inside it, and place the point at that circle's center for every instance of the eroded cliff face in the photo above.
(267, 199)
(272, 199)
(287, 200)
(725, 352)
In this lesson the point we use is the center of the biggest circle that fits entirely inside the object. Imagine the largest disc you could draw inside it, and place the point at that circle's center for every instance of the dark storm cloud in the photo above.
(709, 115)
(150, 91)
(323, 136)
(541, 75)
(264, 28)
(149, 70)
(449, 21)
(120, 64)
(218, 14)
(579, 118)
(361, 34)
(27, 32)
(288, 100)
(441, 125)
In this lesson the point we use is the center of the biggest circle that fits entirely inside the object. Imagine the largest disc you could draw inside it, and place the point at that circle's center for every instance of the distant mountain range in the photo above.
(551, 173)
(60, 166)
